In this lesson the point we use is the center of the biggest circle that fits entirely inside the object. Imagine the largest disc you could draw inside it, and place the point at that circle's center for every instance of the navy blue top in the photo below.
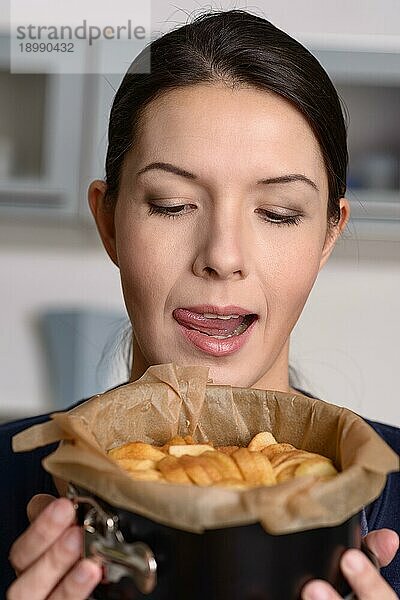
(22, 476)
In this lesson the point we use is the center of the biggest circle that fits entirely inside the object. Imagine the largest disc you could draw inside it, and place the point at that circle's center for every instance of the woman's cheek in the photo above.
(293, 277)
(148, 269)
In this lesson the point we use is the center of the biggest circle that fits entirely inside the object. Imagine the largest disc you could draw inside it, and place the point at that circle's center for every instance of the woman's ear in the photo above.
(333, 233)
(104, 217)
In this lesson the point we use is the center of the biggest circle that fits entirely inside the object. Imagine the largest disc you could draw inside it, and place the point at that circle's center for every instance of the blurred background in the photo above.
(62, 317)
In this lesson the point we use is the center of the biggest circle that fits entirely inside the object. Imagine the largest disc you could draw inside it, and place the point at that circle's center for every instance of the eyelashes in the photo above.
(174, 212)
(167, 211)
(277, 219)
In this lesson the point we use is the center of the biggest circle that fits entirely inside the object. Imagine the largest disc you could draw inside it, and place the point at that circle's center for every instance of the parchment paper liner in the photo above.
(175, 400)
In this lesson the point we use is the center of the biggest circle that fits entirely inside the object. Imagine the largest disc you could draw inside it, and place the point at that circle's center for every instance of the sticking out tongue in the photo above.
(217, 326)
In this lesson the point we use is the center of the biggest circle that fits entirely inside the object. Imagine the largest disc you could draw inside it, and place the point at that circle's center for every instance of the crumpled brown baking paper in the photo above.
(169, 400)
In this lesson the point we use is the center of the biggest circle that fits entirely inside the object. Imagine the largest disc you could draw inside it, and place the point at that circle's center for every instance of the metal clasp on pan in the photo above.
(104, 540)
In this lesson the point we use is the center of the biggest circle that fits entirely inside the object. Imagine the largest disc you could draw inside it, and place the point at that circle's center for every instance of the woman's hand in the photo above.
(364, 579)
(46, 557)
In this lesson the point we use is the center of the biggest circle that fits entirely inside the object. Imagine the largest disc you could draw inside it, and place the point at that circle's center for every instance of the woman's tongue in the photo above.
(206, 325)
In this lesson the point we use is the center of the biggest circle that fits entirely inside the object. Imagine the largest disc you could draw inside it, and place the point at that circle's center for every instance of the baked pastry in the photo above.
(263, 462)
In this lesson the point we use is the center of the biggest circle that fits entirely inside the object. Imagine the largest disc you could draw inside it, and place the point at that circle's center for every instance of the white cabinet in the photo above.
(40, 141)
(368, 84)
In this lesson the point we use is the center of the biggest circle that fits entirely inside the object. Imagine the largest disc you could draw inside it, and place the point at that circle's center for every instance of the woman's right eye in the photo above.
(168, 211)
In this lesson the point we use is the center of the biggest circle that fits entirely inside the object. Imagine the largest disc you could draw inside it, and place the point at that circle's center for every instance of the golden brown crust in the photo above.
(181, 460)
(227, 449)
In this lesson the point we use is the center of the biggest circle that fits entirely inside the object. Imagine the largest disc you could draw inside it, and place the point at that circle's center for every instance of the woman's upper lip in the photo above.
(219, 310)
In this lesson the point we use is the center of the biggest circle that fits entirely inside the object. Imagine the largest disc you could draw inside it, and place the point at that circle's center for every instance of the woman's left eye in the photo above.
(279, 219)
(167, 211)
(269, 216)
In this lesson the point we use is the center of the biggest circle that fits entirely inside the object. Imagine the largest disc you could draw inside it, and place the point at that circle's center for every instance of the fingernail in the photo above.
(60, 511)
(73, 540)
(315, 591)
(353, 561)
(81, 573)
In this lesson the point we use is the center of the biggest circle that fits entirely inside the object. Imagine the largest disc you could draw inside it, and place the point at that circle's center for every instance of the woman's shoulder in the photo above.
(390, 433)
(23, 471)
(387, 506)
(384, 512)
(11, 428)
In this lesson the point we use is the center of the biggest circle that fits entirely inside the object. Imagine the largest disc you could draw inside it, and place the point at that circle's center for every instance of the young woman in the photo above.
(223, 199)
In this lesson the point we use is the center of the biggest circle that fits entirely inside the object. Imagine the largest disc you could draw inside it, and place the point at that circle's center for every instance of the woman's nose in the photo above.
(224, 248)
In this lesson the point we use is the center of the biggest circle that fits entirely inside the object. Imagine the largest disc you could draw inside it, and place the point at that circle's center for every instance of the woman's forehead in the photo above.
(215, 111)
(229, 129)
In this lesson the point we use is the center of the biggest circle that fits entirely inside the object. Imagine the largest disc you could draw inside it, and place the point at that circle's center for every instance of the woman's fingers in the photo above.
(384, 543)
(42, 533)
(47, 555)
(319, 590)
(364, 579)
(37, 504)
(45, 574)
(79, 582)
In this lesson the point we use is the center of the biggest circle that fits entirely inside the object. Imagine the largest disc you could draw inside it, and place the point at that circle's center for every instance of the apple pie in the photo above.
(263, 462)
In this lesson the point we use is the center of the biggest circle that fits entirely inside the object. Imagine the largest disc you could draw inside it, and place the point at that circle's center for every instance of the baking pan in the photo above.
(145, 559)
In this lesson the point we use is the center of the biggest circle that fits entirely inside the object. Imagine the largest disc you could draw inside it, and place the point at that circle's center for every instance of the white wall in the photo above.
(345, 344)
(346, 341)
(44, 267)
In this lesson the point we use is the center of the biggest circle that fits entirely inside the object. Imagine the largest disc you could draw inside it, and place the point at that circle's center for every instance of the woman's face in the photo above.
(227, 243)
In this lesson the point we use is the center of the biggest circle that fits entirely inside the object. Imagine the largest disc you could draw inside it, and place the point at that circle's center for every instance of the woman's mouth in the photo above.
(216, 333)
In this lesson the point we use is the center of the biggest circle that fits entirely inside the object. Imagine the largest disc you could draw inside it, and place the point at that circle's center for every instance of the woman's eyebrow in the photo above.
(289, 178)
(167, 167)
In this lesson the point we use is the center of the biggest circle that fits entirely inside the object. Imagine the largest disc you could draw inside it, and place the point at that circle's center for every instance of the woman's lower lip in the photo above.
(214, 346)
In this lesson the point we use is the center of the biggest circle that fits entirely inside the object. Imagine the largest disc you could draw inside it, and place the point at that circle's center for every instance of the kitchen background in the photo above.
(61, 310)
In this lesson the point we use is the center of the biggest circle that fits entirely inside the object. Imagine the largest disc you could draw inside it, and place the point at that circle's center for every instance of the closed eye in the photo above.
(167, 211)
(279, 219)
(173, 212)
